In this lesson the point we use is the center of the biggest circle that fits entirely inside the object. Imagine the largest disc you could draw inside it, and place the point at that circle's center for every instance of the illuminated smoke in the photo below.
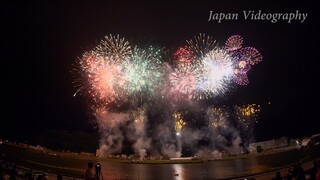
(125, 81)
(109, 124)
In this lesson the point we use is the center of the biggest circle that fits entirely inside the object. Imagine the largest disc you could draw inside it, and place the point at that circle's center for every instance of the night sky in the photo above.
(41, 41)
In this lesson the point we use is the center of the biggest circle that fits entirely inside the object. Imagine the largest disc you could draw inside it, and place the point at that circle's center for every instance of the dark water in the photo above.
(207, 170)
(217, 169)
(75, 166)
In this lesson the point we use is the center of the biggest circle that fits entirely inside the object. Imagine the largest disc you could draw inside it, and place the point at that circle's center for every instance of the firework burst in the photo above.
(201, 45)
(139, 116)
(183, 80)
(183, 56)
(179, 122)
(217, 117)
(234, 43)
(103, 77)
(214, 74)
(127, 81)
(115, 70)
(114, 48)
(247, 115)
(250, 55)
(243, 58)
(143, 70)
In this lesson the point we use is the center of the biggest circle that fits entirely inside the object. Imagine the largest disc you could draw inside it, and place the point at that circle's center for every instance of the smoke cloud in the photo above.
(109, 124)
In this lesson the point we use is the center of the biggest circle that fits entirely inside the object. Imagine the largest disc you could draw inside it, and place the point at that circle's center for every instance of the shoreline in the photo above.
(73, 165)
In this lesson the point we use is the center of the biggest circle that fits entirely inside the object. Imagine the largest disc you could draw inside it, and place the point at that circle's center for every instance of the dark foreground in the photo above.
(75, 165)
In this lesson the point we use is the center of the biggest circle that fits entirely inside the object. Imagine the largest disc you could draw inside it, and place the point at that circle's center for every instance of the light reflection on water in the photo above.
(207, 170)
(178, 172)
